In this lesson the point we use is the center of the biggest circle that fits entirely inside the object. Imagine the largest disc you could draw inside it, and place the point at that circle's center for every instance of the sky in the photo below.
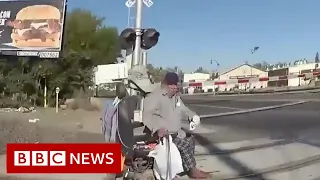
(193, 32)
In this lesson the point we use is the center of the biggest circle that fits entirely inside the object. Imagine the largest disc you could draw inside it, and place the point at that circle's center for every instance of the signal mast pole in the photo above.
(138, 25)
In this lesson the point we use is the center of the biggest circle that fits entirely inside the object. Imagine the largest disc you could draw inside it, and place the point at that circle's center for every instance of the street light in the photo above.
(253, 51)
(218, 66)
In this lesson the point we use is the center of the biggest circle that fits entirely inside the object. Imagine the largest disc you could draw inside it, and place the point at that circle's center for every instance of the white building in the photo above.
(299, 69)
(243, 71)
(195, 77)
(109, 73)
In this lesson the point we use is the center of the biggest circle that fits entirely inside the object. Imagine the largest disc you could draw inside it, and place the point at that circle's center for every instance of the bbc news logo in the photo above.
(64, 158)
(39, 158)
(58, 158)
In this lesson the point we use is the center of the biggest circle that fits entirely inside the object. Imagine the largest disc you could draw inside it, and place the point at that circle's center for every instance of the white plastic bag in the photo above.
(162, 168)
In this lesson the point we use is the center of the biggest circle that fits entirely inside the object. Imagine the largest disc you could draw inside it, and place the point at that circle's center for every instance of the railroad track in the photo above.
(280, 168)
(253, 147)
(247, 173)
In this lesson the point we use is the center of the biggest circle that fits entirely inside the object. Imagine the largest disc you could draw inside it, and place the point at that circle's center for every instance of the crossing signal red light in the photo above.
(150, 38)
(127, 38)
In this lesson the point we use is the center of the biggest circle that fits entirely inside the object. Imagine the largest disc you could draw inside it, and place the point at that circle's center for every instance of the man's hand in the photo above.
(192, 126)
(195, 121)
(162, 132)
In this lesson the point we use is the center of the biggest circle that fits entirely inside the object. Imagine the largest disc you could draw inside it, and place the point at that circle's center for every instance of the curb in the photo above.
(252, 110)
(256, 93)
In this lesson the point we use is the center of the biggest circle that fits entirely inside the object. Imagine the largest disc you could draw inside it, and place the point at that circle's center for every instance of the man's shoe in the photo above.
(198, 174)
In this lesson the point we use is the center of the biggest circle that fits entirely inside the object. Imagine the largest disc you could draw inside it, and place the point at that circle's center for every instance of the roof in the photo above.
(197, 73)
(241, 66)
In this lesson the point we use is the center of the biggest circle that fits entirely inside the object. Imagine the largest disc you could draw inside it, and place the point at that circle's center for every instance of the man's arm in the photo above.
(150, 117)
(185, 109)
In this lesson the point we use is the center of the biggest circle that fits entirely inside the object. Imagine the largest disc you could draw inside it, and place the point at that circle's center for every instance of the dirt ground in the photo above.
(65, 126)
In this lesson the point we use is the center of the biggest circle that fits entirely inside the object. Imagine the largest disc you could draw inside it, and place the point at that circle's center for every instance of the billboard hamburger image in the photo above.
(36, 26)
(31, 25)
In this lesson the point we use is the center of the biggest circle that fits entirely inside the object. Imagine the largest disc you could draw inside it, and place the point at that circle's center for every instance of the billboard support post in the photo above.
(57, 99)
(45, 90)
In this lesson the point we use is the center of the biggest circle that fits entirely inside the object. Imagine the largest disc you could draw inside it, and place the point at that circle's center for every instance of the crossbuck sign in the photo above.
(130, 3)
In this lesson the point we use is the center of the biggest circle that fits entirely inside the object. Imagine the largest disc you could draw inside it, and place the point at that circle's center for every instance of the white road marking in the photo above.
(220, 107)
(252, 110)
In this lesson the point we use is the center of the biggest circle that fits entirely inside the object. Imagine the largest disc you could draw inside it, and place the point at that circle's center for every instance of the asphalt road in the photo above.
(283, 123)
(231, 104)
(299, 124)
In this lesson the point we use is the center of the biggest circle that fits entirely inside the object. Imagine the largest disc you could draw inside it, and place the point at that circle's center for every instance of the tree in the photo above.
(263, 65)
(215, 75)
(87, 43)
(157, 73)
(201, 70)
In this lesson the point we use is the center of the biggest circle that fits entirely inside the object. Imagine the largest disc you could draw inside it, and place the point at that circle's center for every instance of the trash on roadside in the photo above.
(80, 126)
(63, 107)
(7, 109)
(20, 109)
(34, 120)
(26, 110)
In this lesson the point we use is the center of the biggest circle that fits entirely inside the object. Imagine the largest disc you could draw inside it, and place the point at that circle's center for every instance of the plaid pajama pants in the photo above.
(186, 146)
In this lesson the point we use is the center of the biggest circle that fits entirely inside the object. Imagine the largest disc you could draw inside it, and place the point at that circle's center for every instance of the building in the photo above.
(195, 77)
(299, 68)
(243, 71)
(110, 73)
(275, 72)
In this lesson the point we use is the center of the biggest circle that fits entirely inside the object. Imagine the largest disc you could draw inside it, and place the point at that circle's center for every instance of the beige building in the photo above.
(243, 71)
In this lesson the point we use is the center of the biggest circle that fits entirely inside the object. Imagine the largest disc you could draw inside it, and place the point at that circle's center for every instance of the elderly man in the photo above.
(163, 112)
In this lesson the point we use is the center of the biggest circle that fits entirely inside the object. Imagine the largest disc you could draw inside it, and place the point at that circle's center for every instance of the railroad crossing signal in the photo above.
(149, 38)
(140, 38)
(130, 3)
(127, 38)
(148, 3)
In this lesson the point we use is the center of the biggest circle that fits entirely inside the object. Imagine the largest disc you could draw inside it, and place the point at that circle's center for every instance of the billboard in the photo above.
(31, 27)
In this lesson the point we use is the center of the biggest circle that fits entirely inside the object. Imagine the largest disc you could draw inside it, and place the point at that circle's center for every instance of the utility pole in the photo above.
(138, 25)
(144, 59)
